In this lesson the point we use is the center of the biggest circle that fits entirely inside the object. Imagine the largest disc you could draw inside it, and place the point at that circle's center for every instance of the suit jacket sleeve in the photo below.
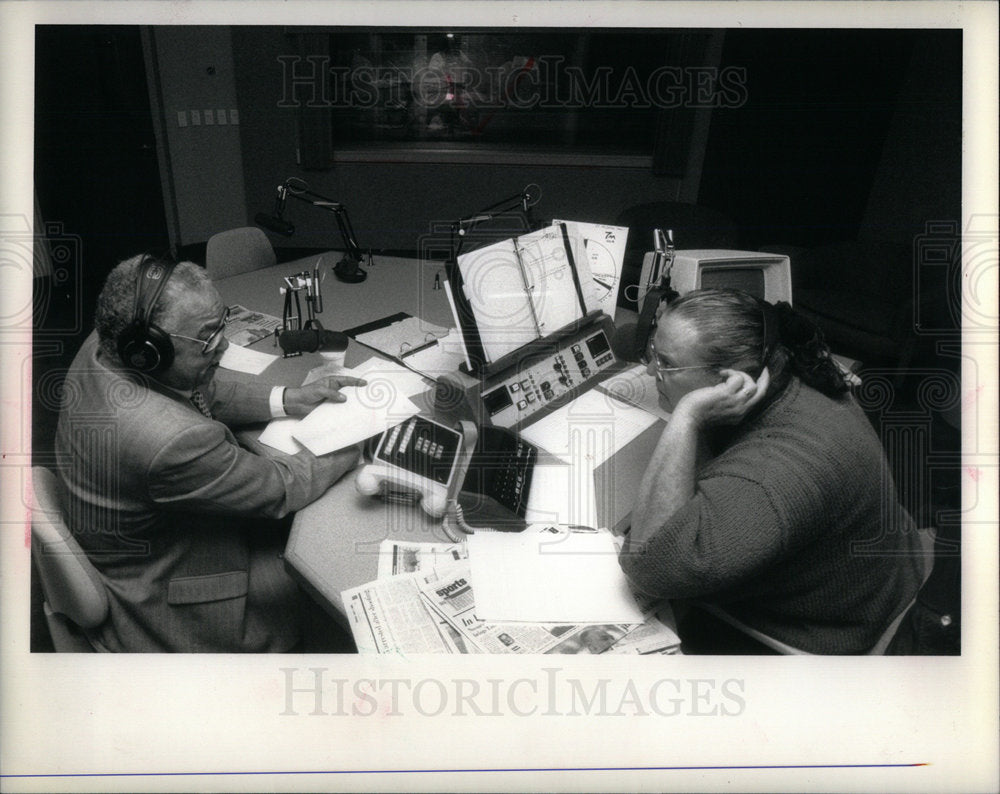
(235, 403)
(201, 468)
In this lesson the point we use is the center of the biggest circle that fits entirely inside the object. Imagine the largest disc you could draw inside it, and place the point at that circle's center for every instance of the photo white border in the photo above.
(214, 723)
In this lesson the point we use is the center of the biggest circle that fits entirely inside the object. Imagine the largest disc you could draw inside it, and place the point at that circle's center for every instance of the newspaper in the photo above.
(452, 598)
(402, 556)
(244, 327)
(389, 616)
(424, 602)
(652, 637)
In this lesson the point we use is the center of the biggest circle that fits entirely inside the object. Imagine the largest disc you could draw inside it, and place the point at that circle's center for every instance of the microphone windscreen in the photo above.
(624, 343)
(299, 341)
(276, 225)
(333, 340)
(312, 339)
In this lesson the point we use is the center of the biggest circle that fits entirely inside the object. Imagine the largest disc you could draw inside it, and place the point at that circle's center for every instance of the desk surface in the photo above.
(333, 544)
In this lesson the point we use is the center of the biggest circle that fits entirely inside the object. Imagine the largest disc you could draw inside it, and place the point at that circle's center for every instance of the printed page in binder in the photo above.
(553, 278)
(521, 289)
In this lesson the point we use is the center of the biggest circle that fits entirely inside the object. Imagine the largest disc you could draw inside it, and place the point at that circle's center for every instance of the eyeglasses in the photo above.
(212, 343)
(650, 356)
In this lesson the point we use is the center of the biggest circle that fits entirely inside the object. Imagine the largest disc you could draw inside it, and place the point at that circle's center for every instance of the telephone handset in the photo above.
(481, 477)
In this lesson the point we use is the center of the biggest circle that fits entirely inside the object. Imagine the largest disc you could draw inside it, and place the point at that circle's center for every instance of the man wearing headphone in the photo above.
(181, 521)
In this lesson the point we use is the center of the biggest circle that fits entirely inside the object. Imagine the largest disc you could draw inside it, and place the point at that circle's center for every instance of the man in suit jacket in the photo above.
(181, 521)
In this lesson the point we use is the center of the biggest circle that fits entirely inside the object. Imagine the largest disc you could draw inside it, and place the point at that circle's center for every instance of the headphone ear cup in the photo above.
(145, 349)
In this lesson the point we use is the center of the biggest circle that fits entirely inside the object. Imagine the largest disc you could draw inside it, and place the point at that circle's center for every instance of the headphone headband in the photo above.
(142, 345)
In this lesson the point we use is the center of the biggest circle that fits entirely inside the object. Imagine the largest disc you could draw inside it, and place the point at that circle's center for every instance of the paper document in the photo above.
(562, 494)
(402, 337)
(522, 289)
(389, 616)
(369, 409)
(403, 556)
(445, 355)
(590, 429)
(278, 434)
(550, 574)
(452, 597)
(636, 386)
(242, 359)
(603, 249)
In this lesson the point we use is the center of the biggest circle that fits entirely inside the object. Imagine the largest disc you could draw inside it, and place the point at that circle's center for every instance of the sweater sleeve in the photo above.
(200, 469)
(728, 532)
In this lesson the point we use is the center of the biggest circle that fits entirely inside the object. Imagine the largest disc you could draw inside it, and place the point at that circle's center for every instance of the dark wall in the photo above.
(826, 109)
(96, 170)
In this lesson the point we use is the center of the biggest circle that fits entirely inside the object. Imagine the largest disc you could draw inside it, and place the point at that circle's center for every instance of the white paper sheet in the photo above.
(590, 429)
(368, 410)
(278, 434)
(636, 386)
(241, 359)
(562, 494)
(550, 574)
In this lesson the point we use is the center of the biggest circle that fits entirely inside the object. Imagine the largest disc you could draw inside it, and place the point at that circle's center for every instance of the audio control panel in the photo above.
(542, 380)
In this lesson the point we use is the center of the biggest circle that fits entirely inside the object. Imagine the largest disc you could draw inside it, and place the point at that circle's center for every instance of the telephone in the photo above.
(481, 478)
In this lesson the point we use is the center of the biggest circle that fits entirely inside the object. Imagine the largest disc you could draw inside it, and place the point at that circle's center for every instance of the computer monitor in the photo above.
(767, 276)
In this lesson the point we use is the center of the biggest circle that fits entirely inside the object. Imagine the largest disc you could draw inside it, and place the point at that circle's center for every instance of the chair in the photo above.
(75, 596)
(238, 251)
(693, 226)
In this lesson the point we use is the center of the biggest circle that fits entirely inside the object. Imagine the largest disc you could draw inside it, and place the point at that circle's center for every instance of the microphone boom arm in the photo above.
(353, 250)
(524, 200)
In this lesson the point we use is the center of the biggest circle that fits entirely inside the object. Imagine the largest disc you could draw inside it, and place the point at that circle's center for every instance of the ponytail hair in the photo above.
(808, 354)
(740, 331)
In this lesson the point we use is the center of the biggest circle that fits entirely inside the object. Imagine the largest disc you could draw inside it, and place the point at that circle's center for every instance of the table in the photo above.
(333, 544)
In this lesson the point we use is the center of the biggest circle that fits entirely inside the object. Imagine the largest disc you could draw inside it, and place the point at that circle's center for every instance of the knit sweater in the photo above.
(795, 529)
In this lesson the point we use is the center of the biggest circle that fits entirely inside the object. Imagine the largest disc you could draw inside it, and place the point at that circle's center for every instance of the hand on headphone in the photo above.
(300, 401)
(726, 403)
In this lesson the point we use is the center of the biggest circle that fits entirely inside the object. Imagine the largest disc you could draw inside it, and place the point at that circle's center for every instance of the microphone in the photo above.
(310, 340)
(275, 222)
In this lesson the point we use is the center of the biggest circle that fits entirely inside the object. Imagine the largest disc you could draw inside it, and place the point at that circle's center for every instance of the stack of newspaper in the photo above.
(423, 602)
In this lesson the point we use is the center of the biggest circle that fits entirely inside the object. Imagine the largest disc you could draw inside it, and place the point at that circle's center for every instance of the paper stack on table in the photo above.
(551, 573)
(370, 409)
(426, 600)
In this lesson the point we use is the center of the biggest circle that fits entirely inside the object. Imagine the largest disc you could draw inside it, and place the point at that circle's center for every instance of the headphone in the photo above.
(143, 346)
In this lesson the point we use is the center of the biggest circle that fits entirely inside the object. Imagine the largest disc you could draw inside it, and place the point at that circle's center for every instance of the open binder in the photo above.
(514, 292)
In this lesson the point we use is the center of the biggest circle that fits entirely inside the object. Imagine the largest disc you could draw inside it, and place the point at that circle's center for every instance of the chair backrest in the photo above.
(70, 584)
(238, 251)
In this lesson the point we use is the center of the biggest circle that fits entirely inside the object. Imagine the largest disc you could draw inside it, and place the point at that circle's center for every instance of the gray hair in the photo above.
(730, 325)
(116, 303)
(738, 331)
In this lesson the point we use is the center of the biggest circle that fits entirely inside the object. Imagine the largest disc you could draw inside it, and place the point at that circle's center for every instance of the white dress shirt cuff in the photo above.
(277, 400)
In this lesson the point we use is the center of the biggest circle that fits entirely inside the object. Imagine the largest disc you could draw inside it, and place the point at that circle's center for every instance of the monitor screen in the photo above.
(748, 279)
(763, 275)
